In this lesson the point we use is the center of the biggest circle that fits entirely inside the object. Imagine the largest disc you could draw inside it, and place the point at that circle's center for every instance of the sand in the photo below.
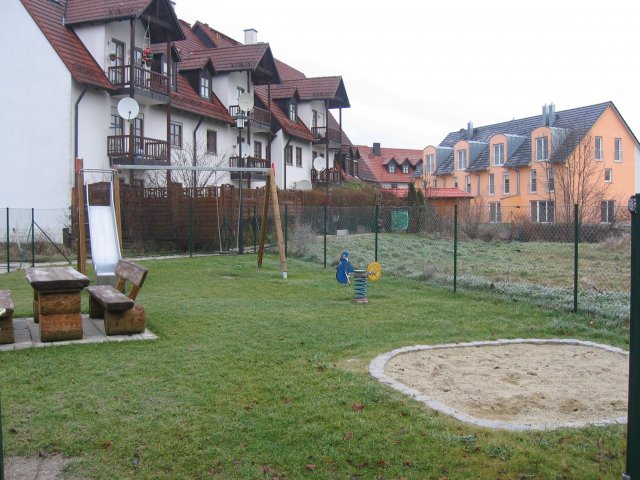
(538, 385)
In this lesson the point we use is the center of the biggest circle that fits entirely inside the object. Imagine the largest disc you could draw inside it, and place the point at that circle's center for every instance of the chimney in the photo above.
(545, 115)
(551, 114)
(250, 36)
(376, 149)
(469, 130)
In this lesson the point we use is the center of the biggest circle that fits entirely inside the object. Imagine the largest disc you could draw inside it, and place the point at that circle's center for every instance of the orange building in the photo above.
(541, 165)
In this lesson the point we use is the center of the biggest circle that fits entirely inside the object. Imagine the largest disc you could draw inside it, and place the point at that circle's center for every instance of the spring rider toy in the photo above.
(344, 270)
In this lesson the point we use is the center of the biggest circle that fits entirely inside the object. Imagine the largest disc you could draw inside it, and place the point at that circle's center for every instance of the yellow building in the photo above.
(539, 167)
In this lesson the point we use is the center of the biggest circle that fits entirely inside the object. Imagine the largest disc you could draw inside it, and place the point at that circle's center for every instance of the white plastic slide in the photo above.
(105, 244)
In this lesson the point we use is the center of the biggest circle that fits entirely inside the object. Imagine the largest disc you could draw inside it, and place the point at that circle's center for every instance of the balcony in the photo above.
(150, 87)
(320, 178)
(248, 162)
(146, 151)
(327, 135)
(259, 119)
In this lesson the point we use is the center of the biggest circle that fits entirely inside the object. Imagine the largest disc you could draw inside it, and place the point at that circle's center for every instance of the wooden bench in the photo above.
(6, 317)
(120, 312)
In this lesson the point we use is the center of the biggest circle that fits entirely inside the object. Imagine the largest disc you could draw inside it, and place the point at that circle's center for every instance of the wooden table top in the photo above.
(56, 278)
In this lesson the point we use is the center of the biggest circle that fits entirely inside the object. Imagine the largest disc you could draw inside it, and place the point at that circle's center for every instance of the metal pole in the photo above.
(1, 446)
(325, 236)
(33, 237)
(191, 229)
(8, 258)
(455, 248)
(240, 225)
(377, 229)
(633, 415)
(576, 235)
(286, 228)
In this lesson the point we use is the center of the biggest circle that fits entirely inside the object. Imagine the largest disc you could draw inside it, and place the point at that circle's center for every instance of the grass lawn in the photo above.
(256, 377)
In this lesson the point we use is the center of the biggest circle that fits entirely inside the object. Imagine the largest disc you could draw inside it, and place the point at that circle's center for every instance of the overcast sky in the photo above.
(416, 70)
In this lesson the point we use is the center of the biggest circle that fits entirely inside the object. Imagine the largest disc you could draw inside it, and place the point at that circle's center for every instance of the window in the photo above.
(498, 154)
(467, 183)
(598, 152)
(205, 84)
(542, 149)
(138, 133)
(212, 142)
(117, 122)
(173, 78)
(405, 168)
(314, 119)
(608, 175)
(607, 211)
(617, 152)
(435, 183)
(391, 167)
(288, 155)
(495, 215)
(505, 183)
(455, 182)
(293, 112)
(533, 183)
(492, 184)
(462, 159)
(542, 211)
(394, 185)
(551, 182)
(431, 164)
(298, 157)
(175, 134)
(257, 149)
(116, 75)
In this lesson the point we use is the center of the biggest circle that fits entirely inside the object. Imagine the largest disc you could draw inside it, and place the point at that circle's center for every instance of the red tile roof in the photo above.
(82, 11)
(82, 66)
(432, 192)
(295, 129)
(287, 72)
(322, 88)
(186, 99)
(282, 92)
(217, 39)
(375, 168)
(191, 42)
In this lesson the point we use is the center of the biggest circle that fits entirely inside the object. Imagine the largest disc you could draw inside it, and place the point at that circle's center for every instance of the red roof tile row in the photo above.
(432, 192)
(296, 129)
(374, 167)
(83, 11)
(185, 98)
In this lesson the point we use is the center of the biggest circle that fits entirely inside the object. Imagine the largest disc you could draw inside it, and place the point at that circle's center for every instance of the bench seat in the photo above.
(110, 298)
(6, 317)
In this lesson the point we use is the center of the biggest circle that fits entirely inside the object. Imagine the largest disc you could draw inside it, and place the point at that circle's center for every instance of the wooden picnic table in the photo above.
(56, 301)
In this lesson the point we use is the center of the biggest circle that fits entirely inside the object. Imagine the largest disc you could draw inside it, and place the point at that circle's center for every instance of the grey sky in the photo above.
(416, 69)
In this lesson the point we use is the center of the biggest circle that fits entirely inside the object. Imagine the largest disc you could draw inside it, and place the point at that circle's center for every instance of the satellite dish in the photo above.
(319, 164)
(128, 108)
(245, 101)
(303, 185)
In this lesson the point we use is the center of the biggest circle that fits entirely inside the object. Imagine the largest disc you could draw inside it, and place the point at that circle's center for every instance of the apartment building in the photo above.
(392, 168)
(542, 164)
(73, 61)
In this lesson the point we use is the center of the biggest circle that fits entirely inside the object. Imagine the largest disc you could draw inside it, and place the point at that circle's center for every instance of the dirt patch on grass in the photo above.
(40, 467)
(537, 385)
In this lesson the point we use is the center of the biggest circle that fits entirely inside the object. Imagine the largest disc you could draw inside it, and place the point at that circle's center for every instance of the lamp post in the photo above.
(245, 104)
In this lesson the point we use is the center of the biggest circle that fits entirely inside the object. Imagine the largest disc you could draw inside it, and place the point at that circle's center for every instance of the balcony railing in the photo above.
(142, 78)
(332, 176)
(258, 118)
(248, 162)
(324, 134)
(146, 151)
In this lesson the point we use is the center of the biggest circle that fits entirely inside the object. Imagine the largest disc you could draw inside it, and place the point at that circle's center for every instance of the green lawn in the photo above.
(256, 377)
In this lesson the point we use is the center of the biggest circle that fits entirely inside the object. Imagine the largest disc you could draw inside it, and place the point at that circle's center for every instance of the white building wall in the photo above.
(98, 39)
(226, 87)
(37, 117)
(93, 126)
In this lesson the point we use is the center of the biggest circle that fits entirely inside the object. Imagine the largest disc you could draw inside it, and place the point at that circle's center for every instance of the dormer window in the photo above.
(405, 168)
(392, 168)
(498, 154)
(542, 149)
(431, 164)
(293, 112)
(205, 84)
(462, 159)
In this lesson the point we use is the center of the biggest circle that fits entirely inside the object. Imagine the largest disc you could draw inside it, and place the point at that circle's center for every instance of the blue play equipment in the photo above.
(345, 270)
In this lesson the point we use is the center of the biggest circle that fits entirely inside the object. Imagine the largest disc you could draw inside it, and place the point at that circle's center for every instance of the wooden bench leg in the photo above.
(96, 310)
(6, 329)
(125, 322)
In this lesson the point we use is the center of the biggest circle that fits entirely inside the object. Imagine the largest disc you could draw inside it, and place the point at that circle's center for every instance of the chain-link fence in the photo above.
(503, 253)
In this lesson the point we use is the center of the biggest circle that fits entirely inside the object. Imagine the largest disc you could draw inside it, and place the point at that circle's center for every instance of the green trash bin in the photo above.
(399, 220)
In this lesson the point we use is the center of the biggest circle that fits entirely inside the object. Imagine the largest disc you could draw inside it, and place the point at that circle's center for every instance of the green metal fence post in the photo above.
(8, 259)
(377, 230)
(325, 236)
(576, 239)
(286, 228)
(33, 237)
(633, 415)
(455, 248)
(1, 446)
(190, 230)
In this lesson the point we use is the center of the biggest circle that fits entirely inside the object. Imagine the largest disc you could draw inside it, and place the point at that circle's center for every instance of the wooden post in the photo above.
(278, 220)
(82, 238)
(263, 224)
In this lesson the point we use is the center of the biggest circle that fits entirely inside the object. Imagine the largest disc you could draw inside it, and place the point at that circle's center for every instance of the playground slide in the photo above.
(105, 244)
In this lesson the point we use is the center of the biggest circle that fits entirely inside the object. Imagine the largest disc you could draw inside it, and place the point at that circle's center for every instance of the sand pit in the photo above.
(514, 384)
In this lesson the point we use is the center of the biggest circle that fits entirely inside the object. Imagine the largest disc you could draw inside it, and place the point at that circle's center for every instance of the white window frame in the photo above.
(617, 150)
(598, 154)
(462, 159)
(498, 155)
(175, 135)
(391, 167)
(542, 149)
(405, 168)
(492, 184)
(430, 164)
(205, 84)
(467, 183)
(533, 182)
(542, 211)
(505, 183)
(607, 211)
(495, 212)
(551, 180)
(608, 175)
